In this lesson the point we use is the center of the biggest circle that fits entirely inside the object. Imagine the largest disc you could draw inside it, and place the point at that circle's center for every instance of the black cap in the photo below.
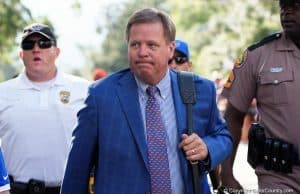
(290, 3)
(37, 28)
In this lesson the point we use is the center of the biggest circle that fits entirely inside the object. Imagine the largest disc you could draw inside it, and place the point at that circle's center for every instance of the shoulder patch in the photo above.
(230, 80)
(265, 40)
(241, 60)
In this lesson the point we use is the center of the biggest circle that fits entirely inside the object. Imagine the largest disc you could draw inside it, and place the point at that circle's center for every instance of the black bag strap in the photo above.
(187, 87)
(188, 95)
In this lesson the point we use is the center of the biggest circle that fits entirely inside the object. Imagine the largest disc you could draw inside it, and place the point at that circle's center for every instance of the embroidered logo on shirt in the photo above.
(229, 80)
(64, 96)
(238, 63)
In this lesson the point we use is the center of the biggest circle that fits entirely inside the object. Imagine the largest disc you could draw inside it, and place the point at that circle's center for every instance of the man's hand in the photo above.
(194, 147)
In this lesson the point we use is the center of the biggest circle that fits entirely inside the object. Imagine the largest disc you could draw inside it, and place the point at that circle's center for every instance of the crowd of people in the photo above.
(128, 132)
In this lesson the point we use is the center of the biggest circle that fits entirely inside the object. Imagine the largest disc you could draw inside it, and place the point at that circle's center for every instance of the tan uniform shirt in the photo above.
(271, 74)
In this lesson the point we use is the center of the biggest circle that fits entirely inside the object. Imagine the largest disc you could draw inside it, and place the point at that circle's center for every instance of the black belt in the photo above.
(296, 158)
(32, 187)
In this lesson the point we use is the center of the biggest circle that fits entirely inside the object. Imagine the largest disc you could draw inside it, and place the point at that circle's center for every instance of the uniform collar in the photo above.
(286, 44)
(23, 82)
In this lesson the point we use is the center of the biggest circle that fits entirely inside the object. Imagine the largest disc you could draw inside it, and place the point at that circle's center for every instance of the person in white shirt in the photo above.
(37, 114)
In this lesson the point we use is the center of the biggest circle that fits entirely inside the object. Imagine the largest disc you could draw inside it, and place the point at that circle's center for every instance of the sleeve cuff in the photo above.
(206, 163)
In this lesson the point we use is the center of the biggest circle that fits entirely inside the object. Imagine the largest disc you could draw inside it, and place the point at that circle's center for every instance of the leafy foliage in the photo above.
(227, 29)
(13, 16)
(217, 30)
(113, 55)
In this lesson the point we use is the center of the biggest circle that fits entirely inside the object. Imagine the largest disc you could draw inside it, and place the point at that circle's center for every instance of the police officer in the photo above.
(37, 113)
(269, 72)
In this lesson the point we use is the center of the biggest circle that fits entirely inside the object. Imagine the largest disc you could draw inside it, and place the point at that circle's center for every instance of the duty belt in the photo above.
(275, 154)
(32, 187)
(296, 158)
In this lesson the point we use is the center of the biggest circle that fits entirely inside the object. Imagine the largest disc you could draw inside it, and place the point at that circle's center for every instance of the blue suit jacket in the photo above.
(110, 133)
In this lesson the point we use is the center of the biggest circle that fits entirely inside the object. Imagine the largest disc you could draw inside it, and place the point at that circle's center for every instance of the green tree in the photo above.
(13, 17)
(113, 54)
(218, 30)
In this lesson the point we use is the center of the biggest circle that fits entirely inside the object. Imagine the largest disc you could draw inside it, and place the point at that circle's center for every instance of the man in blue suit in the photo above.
(112, 131)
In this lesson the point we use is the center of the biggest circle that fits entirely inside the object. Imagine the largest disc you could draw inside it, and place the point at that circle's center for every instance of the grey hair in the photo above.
(151, 15)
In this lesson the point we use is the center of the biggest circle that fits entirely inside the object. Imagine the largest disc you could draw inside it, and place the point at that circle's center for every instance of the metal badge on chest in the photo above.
(64, 96)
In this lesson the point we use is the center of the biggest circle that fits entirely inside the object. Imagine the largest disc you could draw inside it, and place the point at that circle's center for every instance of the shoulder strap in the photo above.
(188, 95)
(187, 87)
(264, 41)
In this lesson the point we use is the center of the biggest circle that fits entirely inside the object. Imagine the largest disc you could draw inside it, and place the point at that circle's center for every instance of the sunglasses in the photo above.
(178, 60)
(42, 43)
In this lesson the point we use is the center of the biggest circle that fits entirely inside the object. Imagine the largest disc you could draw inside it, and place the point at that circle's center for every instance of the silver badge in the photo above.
(276, 69)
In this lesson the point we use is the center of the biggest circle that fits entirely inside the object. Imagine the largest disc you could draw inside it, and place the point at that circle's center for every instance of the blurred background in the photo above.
(91, 35)
(91, 32)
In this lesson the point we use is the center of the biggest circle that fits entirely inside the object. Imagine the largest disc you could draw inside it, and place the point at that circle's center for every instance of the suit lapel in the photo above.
(128, 95)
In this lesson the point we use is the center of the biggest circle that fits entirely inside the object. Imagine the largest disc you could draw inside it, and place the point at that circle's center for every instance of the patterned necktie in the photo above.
(157, 148)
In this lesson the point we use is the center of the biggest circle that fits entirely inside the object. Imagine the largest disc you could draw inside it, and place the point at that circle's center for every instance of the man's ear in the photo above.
(190, 65)
(57, 51)
(21, 54)
(172, 49)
